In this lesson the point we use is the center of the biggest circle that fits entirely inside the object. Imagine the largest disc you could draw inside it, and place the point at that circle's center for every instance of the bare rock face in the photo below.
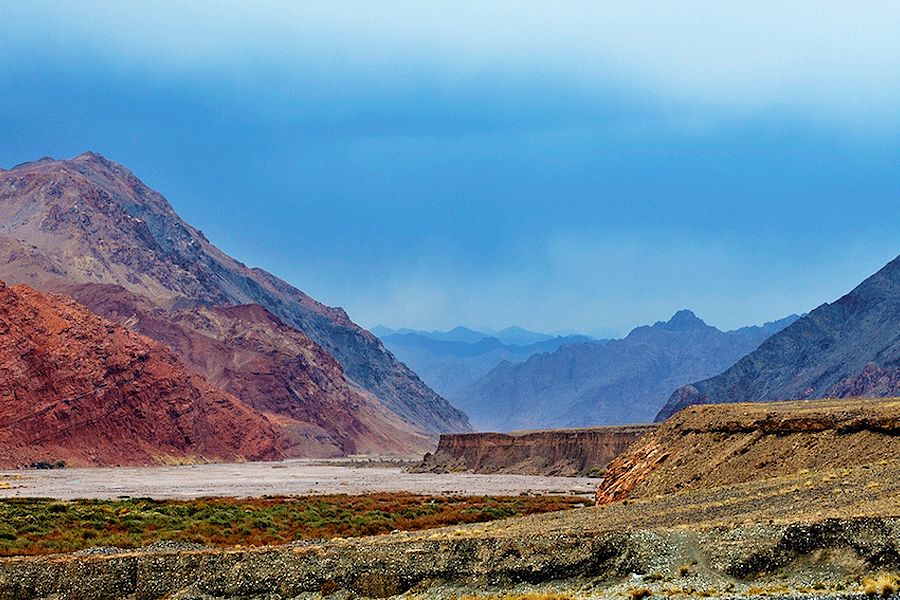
(276, 369)
(89, 220)
(750, 442)
(77, 388)
(554, 452)
(848, 348)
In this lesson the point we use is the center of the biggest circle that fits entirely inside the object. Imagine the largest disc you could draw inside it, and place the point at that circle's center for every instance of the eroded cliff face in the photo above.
(708, 446)
(273, 368)
(78, 388)
(551, 452)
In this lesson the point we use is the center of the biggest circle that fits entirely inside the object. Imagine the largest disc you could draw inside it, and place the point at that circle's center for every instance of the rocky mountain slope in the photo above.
(623, 381)
(449, 366)
(89, 220)
(77, 388)
(850, 347)
(276, 369)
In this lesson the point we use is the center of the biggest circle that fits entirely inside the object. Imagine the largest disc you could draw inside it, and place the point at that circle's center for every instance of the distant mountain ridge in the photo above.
(849, 348)
(457, 334)
(620, 382)
(511, 336)
(447, 362)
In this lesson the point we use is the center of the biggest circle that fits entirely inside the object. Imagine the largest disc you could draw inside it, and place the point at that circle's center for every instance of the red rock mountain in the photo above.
(78, 388)
(277, 370)
(89, 220)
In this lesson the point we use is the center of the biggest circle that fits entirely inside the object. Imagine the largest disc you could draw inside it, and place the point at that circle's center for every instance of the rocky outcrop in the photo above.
(89, 220)
(77, 388)
(849, 348)
(748, 442)
(553, 452)
(274, 368)
(621, 382)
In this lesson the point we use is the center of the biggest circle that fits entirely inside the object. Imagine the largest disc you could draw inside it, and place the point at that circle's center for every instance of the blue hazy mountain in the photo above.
(522, 337)
(457, 334)
(622, 381)
(448, 361)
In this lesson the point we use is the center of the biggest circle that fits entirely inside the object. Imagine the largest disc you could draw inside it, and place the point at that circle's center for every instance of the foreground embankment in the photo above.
(822, 532)
(832, 556)
(552, 452)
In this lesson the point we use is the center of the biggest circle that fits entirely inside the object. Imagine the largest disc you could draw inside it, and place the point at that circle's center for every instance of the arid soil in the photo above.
(584, 451)
(714, 445)
(291, 477)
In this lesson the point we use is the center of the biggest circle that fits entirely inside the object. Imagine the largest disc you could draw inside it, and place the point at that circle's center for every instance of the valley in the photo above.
(619, 382)
(449, 301)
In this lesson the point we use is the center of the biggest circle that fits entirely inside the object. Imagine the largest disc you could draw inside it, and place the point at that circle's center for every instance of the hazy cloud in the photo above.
(553, 165)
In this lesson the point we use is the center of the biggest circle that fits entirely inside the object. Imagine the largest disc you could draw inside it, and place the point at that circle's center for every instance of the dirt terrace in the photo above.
(708, 446)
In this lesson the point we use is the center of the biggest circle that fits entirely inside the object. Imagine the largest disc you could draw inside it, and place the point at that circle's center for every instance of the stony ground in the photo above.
(704, 447)
(254, 479)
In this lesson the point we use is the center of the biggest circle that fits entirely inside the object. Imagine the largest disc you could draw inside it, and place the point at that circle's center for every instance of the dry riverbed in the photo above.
(286, 478)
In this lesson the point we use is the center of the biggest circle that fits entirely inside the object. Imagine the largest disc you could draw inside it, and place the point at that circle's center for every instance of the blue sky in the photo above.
(559, 166)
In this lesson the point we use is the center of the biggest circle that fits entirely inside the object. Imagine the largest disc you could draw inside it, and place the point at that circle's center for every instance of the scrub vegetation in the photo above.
(40, 526)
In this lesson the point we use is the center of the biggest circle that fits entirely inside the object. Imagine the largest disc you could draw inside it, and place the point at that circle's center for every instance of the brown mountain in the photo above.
(849, 348)
(250, 353)
(78, 388)
(89, 220)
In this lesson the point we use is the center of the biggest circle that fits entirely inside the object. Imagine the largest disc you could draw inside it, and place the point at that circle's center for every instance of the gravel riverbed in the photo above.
(253, 479)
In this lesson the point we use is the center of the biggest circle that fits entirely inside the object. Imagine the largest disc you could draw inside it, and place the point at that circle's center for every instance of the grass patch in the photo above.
(41, 526)
(883, 585)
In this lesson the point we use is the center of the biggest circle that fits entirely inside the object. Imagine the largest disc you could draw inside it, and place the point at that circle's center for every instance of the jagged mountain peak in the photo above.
(683, 320)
